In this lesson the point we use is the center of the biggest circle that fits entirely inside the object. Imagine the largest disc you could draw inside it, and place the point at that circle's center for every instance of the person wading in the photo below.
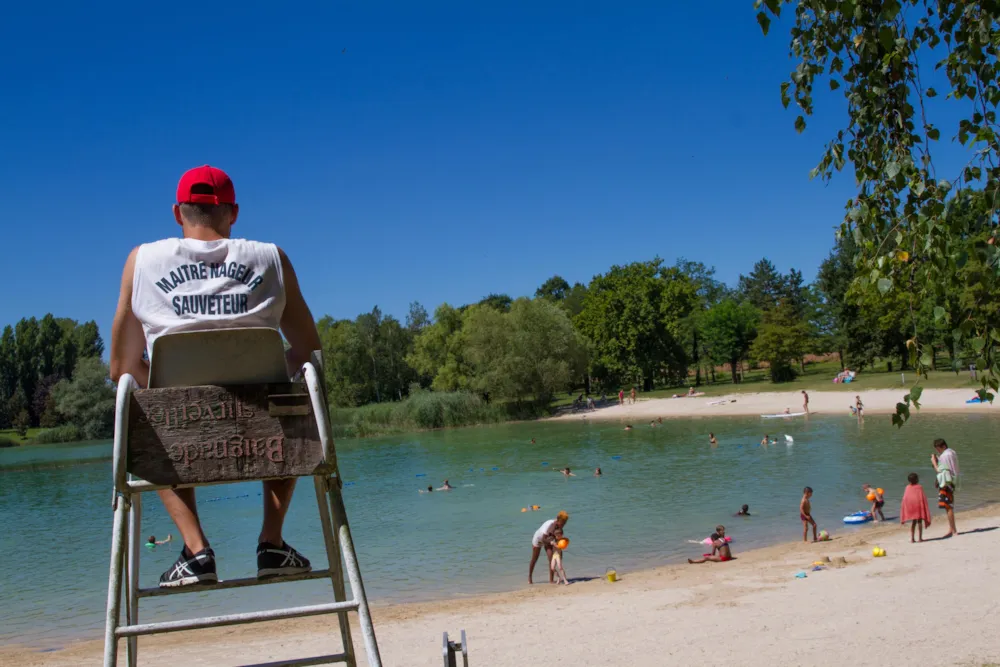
(208, 280)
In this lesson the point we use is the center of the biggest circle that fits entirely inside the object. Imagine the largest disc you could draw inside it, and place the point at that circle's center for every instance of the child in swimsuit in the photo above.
(805, 513)
(720, 549)
(877, 504)
(556, 566)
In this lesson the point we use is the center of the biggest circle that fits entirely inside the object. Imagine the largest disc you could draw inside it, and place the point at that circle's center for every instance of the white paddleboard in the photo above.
(783, 414)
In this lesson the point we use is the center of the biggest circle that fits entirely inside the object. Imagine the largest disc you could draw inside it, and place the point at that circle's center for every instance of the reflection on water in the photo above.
(668, 486)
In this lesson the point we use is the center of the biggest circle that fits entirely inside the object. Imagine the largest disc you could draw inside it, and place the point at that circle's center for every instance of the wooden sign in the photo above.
(213, 434)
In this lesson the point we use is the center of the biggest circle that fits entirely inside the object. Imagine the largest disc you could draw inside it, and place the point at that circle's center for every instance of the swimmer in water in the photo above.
(744, 511)
(151, 543)
(532, 441)
(711, 439)
(598, 473)
(446, 486)
(567, 472)
(652, 424)
(430, 489)
(628, 427)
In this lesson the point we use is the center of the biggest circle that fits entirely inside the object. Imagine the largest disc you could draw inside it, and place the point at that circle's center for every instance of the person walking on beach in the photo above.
(632, 396)
(945, 462)
(208, 280)
(805, 402)
(621, 397)
(805, 513)
(544, 538)
(859, 407)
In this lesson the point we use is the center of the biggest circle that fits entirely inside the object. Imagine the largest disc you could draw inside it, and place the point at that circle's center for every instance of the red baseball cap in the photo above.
(219, 188)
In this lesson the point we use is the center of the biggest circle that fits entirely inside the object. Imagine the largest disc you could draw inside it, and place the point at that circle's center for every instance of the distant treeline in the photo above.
(52, 376)
(644, 324)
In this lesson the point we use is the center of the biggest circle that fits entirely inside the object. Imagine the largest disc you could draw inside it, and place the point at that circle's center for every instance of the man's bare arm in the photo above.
(297, 323)
(128, 341)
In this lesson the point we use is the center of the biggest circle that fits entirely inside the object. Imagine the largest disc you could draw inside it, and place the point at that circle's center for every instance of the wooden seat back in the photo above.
(220, 408)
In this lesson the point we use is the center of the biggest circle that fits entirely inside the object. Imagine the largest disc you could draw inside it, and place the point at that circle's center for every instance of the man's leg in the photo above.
(535, 551)
(180, 505)
(277, 497)
(952, 529)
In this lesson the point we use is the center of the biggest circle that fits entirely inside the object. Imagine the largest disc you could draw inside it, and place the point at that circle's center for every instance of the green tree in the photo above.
(417, 318)
(27, 355)
(709, 292)
(87, 340)
(878, 55)
(764, 287)
(88, 400)
(531, 351)
(728, 329)
(438, 351)
(500, 302)
(632, 315)
(555, 289)
(781, 340)
(8, 374)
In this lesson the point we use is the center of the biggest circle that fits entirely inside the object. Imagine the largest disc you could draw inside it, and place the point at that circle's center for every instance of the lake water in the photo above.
(668, 486)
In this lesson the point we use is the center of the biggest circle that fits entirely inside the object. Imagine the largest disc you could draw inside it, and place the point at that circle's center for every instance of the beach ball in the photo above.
(823, 535)
(881, 492)
(563, 543)
(871, 497)
(878, 552)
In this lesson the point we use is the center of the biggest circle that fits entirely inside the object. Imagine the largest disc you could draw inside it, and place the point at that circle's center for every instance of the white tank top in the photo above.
(191, 285)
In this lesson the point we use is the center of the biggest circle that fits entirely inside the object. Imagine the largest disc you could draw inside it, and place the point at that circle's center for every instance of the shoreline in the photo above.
(821, 403)
(640, 600)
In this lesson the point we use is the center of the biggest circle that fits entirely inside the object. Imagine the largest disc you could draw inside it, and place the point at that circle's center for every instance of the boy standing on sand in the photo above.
(805, 513)
(805, 401)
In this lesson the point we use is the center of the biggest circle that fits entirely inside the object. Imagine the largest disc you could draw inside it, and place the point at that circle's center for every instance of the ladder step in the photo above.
(232, 583)
(235, 619)
(304, 662)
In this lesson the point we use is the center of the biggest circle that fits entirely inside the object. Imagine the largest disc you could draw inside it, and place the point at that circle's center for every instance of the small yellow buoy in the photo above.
(612, 575)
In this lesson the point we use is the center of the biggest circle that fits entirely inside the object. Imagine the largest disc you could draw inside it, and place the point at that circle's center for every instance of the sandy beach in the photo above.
(922, 604)
(879, 401)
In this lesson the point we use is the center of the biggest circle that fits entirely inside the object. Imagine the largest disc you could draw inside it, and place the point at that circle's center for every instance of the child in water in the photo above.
(720, 549)
(877, 499)
(914, 508)
(744, 511)
(805, 513)
(152, 543)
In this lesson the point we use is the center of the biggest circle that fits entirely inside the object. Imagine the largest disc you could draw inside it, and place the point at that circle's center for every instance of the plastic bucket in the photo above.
(611, 575)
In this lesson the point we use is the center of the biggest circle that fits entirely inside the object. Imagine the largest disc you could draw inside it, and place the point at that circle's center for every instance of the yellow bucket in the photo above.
(611, 575)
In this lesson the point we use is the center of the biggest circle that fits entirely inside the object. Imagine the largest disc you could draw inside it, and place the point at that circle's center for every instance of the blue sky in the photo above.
(405, 151)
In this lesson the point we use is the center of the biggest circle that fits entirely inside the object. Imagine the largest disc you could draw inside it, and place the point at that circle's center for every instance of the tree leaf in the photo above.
(931, 92)
(800, 124)
(939, 313)
(764, 22)
(784, 94)
(892, 169)
(884, 285)
(834, 84)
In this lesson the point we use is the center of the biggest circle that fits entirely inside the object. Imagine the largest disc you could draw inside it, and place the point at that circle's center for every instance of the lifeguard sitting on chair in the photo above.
(207, 280)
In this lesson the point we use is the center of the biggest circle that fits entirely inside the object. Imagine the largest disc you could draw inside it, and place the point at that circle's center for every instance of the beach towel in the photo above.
(914, 506)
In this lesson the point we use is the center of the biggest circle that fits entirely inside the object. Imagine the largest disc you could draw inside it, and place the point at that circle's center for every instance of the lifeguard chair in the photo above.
(220, 408)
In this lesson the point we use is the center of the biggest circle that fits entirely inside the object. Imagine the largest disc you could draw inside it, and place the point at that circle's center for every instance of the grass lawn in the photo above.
(11, 434)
